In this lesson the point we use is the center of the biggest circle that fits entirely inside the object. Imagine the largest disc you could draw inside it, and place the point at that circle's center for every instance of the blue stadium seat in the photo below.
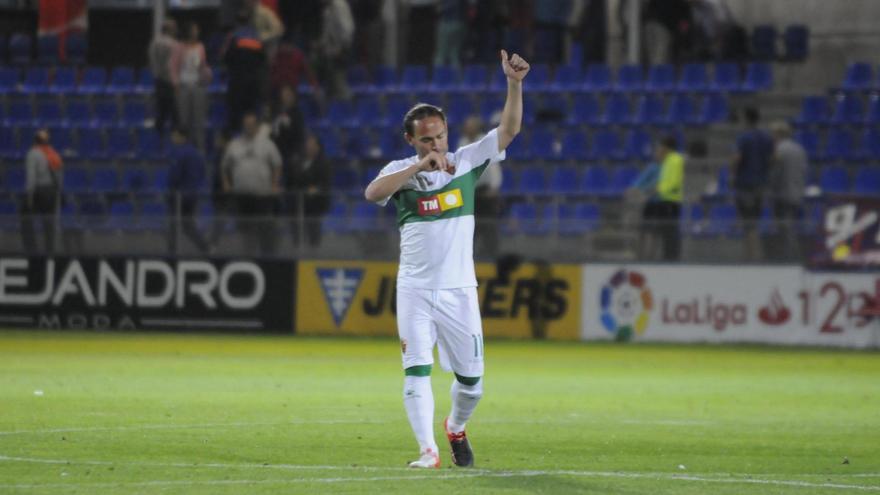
(726, 77)
(413, 78)
(759, 77)
(848, 109)
(542, 144)
(47, 49)
(20, 47)
(149, 145)
(694, 78)
(49, 114)
(509, 181)
(90, 144)
(575, 146)
(564, 180)
(519, 149)
(810, 141)
(160, 180)
(78, 114)
(839, 145)
(796, 39)
(723, 221)
(8, 79)
(121, 80)
(13, 179)
(834, 180)
(475, 78)
(597, 78)
(554, 106)
(617, 110)
(870, 144)
(490, 108)
(443, 79)
(19, 113)
(135, 179)
(93, 81)
(458, 108)
(76, 47)
(8, 143)
(366, 218)
(814, 110)
(384, 79)
(661, 78)
(145, 82)
(682, 111)
(62, 140)
(622, 178)
(532, 180)
(76, 180)
(714, 109)
(339, 112)
(105, 179)
(606, 145)
(106, 113)
(134, 113)
(358, 78)
(64, 81)
(594, 181)
(364, 114)
(332, 143)
(629, 78)
(395, 108)
(36, 81)
(764, 42)
(585, 110)
(859, 77)
(121, 216)
(867, 181)
(120, 143)
(567, 78)
(541, 75)
(649, 110)
(391, 146)
(578, 219)
(637, 145)
(153, 215)
(872, 117)
(522, 218)
(335, 219)
(345, 179)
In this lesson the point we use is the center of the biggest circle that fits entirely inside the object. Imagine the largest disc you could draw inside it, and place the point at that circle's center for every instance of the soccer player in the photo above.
(436, 286)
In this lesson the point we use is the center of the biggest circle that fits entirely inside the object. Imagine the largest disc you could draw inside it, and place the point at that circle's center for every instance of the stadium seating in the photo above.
(867, 181)
(814, 110)
(661, 78)
(796, 40)
(597, 78)
(834, 180)
(859, 77)
(694, 78)
(764, 42)
(20, 48)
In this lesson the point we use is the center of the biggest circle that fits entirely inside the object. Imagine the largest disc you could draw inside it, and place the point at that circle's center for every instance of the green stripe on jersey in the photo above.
(425, 206)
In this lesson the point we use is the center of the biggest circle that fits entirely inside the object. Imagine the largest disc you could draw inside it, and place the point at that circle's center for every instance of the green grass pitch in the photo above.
(138, 413)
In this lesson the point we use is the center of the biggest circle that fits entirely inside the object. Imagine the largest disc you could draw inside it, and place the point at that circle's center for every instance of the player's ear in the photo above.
(409, 139)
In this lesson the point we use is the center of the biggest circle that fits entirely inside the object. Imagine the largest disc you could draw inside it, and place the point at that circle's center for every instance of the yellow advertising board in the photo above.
(358, 298)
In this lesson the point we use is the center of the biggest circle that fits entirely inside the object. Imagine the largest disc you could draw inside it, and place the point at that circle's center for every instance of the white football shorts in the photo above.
(449, 318)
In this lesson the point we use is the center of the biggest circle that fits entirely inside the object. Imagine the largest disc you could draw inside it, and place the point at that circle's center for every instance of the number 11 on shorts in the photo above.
(478, 345)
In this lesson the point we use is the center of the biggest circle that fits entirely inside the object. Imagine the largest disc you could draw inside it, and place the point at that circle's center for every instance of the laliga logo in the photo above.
(626, 304)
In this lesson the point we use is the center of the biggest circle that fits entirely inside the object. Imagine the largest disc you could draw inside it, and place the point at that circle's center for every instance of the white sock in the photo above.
(464, 400)
(419, 402)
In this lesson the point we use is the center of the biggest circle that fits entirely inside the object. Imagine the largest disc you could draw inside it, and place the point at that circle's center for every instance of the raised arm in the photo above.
(515, 68)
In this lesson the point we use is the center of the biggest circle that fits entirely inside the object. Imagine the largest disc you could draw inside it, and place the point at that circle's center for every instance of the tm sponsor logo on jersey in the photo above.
(438, 203)
(339, 286)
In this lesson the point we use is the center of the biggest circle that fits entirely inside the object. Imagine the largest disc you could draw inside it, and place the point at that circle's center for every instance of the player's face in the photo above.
(430, 135)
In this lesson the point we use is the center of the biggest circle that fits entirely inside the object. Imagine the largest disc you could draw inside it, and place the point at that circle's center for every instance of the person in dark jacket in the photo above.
(248, 70)
(185, 176)
(310, 179)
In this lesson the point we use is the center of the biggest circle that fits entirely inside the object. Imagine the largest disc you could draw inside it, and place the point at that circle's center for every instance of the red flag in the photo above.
(60, 17)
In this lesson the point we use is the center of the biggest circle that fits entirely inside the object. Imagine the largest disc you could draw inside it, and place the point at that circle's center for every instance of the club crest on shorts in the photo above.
(440, 202)
(339, 286)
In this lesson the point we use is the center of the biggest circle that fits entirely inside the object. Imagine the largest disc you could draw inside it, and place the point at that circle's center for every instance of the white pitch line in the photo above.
(502, 474)
(202, 425)
(706, 477)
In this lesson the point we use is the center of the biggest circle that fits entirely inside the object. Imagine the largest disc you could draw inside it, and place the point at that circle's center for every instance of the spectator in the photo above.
(43, 181)
(551, 19)
(288, 67)
(334, 46)
(662, 212)
(643, 193)
(368, 32)
(160, 52)
(712, 20)
(185, 176)
(191, 75)
(666, 29)
(289, 129)
(751, 164)
(252, 172)
(269, 27)
(487, 195)
(589, 26)
(788, 177)
(450, 33)
(246, 65)
(310, 178)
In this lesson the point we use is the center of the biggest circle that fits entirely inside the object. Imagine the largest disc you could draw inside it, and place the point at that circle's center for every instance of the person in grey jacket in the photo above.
(788, 177)
(42, 187)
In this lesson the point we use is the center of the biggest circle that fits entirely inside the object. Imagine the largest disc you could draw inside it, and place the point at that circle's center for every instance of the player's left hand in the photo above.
(514, 67)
